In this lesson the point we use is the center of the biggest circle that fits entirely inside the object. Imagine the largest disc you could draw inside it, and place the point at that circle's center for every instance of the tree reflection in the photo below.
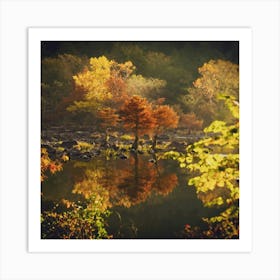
(106, 183)
(137, 186)
(126, 182)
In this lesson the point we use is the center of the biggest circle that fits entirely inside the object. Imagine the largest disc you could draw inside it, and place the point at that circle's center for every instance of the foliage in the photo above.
(145, 87)
(224, 226)
(190, 121)
(165, 118)
(171, 63)
(129, 95)
(126, 137)
(99, 83)
(84, 146)
(48, 165)
(57, 84)
(136, 115)
(108, 116)
(215, 161)
(117, 85)
(218, 78)
(93, 82)
(78, 221)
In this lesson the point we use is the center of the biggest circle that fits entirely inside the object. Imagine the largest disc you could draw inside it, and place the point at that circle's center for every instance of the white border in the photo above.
(243, 35)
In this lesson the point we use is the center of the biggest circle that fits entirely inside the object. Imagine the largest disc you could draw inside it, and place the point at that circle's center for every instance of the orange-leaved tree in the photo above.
(190, 122)
(165, 118)
(137, 115)
(48, 165)
(109, 118)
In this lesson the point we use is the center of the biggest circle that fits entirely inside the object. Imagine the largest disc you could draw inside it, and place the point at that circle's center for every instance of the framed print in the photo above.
(139, 140)
(123, 137)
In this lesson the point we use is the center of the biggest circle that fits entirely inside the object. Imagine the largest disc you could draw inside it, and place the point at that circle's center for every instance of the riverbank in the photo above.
(84, 143)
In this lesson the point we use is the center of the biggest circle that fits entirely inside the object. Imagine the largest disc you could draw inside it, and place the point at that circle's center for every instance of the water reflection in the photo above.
(124, 182)
(147, 197)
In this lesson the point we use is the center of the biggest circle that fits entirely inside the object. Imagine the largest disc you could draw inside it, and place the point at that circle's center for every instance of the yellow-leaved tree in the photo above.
(214, 164)
(95, 81)
(214, 160)
(217, 77)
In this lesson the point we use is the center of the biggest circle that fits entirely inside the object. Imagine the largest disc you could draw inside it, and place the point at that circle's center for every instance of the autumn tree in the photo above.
(137, 115)
(166, 118)
(217, 77)
(117, 85)
(214, 161)
(216, 158)
(93, 81)
(109, 118)
(103, 82)
(145, 87)
(190, 122)
(107, 84)
(174, 62)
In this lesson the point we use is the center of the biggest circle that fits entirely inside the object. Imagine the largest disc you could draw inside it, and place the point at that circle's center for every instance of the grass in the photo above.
(126, 137)
(84, 146)
(60, 149)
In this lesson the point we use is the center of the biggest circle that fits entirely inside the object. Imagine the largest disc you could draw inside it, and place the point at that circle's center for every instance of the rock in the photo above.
(105, 144)
(59, 154)
(179, 146)
(74, 154)
(85, 156)
(149, 142)
(49, 148)
(112, 138)
(69, 144)
(96, 135)
(115, 147)
(163, 137)
(132, 150)
(96, 152)
(122, 156)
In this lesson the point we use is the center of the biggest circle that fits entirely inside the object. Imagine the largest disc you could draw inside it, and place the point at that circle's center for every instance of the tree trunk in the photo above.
(154, 144)
(136, 171)
(136, 143)
(106, 136)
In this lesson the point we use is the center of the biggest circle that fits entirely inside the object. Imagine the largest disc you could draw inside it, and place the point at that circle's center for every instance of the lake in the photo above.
(147, 197)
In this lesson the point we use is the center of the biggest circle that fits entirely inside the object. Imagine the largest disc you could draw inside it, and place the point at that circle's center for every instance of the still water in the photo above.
(147, 197)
